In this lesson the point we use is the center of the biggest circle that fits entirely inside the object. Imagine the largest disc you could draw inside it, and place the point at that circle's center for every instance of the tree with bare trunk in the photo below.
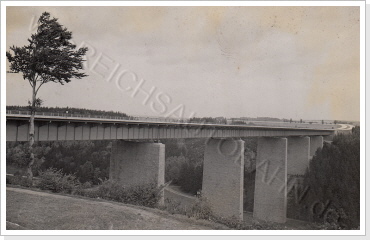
(50, 56)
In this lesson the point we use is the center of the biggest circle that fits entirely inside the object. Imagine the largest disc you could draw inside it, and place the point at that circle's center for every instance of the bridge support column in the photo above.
(315, 143)
(298, 155)
(223, 176)
(270, 196)
(137, 163)
(328, 138)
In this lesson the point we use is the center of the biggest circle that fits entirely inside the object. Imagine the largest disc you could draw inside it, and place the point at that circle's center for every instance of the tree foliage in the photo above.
(87, 160)
(49, 56)
(333, 184)
(208, 120)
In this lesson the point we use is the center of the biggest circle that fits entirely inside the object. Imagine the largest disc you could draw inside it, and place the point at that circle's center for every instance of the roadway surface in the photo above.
(345, 127)
(170, 122)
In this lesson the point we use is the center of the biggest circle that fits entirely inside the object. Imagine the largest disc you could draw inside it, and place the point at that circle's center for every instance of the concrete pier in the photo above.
(137, 163)
(298, 155)
(328, 138)
(270, 197)
(315, 143)
(223, 176)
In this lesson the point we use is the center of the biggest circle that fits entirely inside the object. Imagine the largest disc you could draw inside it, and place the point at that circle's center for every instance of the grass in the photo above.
(37, 210)
(43, 211)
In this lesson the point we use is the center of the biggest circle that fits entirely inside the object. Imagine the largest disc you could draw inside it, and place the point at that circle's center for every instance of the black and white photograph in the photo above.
(203, 117)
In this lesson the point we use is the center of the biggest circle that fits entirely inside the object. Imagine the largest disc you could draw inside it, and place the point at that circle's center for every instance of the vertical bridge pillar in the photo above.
(328, 137)
(315, 143)
(137, 163)
(223, 176)
(270, 194)
(298, 155)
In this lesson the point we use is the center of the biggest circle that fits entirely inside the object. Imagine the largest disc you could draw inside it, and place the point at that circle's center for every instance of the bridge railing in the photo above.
(74, 115)
(134, 118)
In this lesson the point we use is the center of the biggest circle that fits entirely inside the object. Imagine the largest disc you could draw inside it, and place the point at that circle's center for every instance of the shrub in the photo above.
(143, 195)
(19, 180)
(173, 207)
(56, 181)
(73, 157)
(200, 209)
(86, 185)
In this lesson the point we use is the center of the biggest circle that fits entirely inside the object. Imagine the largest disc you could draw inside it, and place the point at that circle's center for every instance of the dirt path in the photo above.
(27, 209)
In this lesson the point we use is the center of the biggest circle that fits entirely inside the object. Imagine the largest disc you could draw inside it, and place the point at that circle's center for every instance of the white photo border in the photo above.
(4, 4)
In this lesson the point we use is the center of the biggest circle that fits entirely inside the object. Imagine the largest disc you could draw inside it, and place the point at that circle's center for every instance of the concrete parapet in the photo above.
(223, 176)
(270, 196)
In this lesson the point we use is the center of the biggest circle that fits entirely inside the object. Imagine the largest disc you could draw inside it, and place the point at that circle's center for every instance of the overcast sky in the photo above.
(285, 62)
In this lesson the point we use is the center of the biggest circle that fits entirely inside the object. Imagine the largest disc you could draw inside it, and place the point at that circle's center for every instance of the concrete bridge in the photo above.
(138, 158)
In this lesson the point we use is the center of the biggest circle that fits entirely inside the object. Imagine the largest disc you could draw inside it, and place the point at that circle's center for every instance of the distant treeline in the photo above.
(236, 122)
(217, 120)
(269, 119)
(82, 111)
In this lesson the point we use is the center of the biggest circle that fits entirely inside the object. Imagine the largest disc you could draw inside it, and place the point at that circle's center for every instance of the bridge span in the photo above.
(138, 158)
(57, 128)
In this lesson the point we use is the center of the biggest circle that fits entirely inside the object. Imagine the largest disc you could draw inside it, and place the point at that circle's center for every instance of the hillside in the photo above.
(34, 210)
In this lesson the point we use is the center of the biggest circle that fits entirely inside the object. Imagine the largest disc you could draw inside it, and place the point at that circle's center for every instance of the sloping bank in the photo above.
(35, 210)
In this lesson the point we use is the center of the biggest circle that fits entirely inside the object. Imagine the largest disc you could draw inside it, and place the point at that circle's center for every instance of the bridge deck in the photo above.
(56, 128)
